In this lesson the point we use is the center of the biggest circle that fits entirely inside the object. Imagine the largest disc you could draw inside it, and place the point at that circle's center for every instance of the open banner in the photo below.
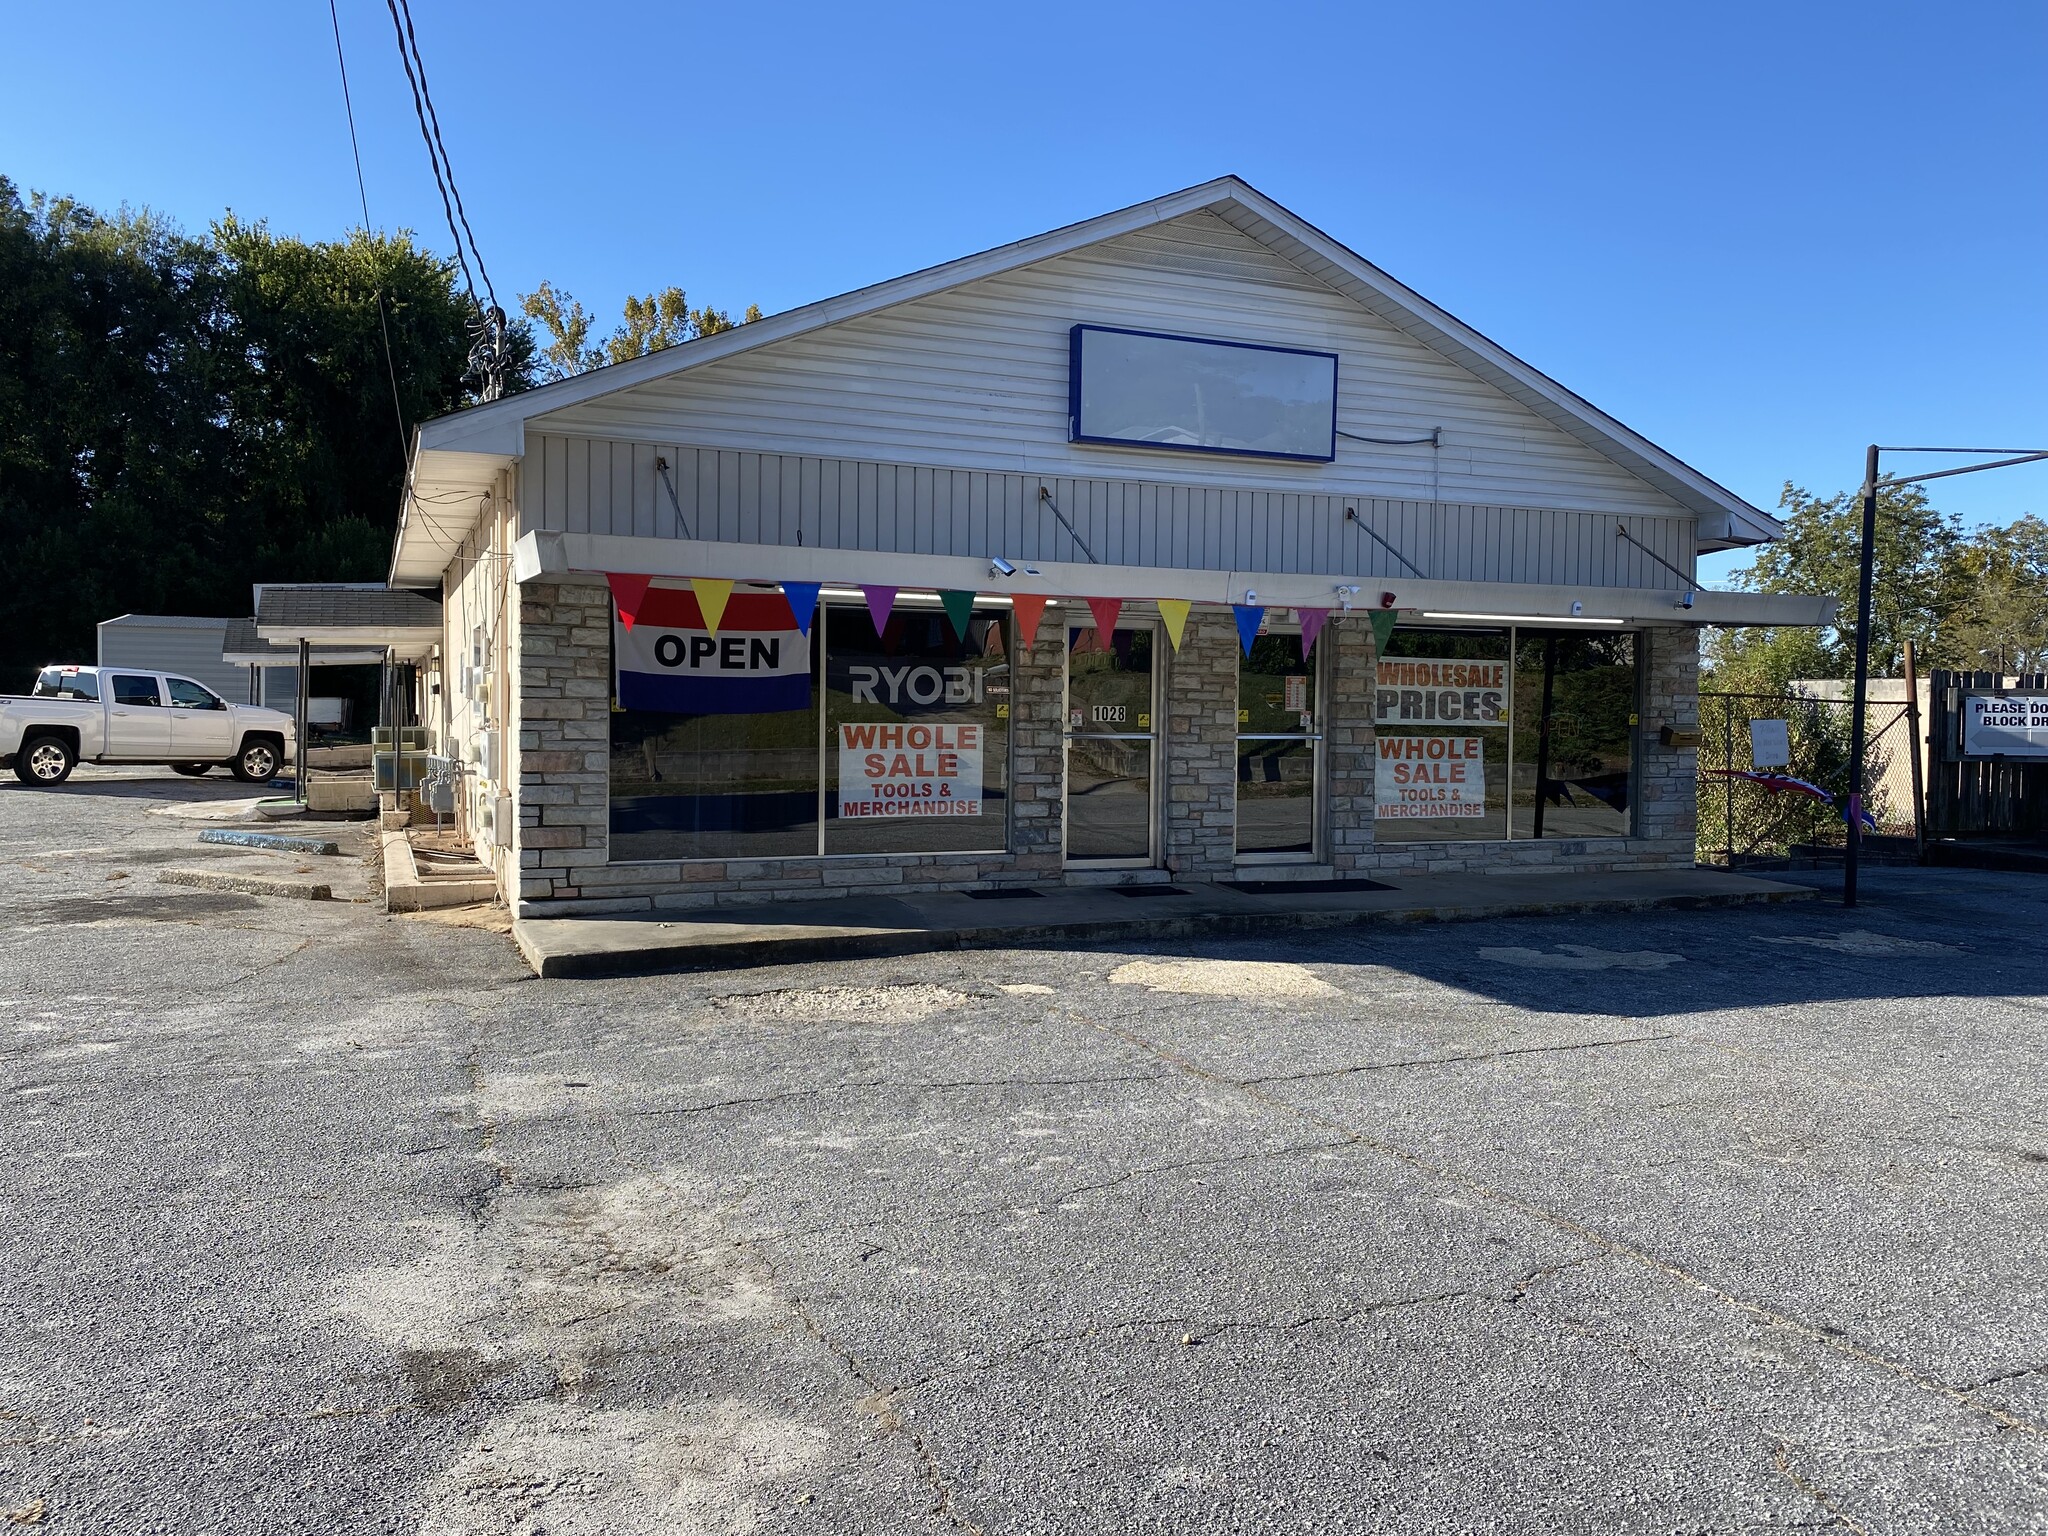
(757, 662)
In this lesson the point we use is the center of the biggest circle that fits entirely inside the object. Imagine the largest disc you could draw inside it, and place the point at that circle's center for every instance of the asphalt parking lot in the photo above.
(314, 1219)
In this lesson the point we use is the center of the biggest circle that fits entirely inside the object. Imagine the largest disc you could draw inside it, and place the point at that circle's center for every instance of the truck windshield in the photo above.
(62, 683)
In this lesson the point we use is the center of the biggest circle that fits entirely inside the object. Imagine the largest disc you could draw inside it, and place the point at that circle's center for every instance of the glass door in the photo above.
(1112, 746)
(1279, 744)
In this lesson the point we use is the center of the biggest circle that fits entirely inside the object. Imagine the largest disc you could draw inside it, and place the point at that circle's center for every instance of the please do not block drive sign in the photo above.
(1425, 777)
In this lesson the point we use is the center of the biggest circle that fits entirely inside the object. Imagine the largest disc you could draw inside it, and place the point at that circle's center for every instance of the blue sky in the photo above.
(1762, 234)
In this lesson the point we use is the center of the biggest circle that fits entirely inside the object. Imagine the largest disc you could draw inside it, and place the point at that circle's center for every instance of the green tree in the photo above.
(651, 324)
(1920, 590)
(2004, 627)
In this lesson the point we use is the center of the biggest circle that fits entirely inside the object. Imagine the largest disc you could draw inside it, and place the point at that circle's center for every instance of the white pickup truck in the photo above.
(126, 715)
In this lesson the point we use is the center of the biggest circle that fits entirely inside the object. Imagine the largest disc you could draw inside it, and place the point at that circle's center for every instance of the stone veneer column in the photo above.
(1348, 737)
(1667, 778)
(1038, 747)
(1201, 748)
(563, 699)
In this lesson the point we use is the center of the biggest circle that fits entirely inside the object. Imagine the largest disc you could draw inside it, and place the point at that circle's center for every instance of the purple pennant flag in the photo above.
(1249, 617)
(802, 597)
(1311, 626)
(881, 602)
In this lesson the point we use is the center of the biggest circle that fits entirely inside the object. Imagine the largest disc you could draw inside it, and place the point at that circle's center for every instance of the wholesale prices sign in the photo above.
(1424, 778)
(1420, 690)
(892, 770)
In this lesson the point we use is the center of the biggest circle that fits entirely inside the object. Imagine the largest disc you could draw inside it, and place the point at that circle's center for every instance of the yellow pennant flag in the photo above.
(711, 595)
(1175, 611)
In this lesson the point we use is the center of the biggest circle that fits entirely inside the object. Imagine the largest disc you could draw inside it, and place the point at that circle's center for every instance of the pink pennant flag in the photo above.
(628, 592)
(1311, 626)
(881, 603)
(1105, 610)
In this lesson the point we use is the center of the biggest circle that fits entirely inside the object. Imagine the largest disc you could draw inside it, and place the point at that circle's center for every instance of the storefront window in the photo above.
(1277, 740)
(1112, 743)
(1575, 709)
(917, 733)
(1442, 711)
(714, 739)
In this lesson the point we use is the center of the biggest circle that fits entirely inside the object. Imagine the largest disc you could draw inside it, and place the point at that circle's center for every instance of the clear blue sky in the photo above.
(1762, 234)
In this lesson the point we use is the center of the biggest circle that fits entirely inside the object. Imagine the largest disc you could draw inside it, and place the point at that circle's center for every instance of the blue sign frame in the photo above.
(1076, 435)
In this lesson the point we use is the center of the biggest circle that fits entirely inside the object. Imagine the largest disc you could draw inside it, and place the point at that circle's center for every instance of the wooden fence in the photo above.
(1980, 797)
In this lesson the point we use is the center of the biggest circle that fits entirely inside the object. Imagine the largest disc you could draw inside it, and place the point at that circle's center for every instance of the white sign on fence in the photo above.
(1770, 744)
(2014, 724)
(1424, 777)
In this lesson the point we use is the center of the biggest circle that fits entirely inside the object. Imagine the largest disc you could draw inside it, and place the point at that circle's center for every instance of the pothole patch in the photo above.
(1249, 981)
(1862, 942)
(900, 1004)
(1582, 957)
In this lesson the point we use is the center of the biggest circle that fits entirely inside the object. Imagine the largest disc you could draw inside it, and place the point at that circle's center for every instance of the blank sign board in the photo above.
(1146, 389)
(1770, 744)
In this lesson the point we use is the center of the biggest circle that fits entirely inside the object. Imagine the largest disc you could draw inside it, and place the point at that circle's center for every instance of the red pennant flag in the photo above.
(1105, 610)
(628, 592)
(1027, 608)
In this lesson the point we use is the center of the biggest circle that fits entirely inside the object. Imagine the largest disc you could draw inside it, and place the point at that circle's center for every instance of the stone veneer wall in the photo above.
(1200, 748)
(564, 786)
(561, 764)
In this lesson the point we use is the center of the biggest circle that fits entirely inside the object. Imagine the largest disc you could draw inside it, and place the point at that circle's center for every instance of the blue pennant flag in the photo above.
(1249, 617)
(803, 603)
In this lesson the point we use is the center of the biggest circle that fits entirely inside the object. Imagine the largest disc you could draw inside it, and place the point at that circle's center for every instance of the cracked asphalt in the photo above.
(313, 1219)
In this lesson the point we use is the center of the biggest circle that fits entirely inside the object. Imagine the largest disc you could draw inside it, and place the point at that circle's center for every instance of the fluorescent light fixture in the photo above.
(1520, 618)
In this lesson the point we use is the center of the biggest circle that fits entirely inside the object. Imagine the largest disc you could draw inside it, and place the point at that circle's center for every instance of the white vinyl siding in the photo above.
(976, 378)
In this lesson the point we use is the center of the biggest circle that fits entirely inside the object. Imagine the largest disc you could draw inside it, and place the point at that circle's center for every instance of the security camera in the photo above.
(1001, 567)
(1685, 601)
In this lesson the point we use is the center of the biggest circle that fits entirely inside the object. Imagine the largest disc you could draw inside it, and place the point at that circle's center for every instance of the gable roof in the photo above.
(456, 455)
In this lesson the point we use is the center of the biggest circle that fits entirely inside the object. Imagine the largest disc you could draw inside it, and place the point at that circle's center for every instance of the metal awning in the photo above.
(242, 647)
(405, 623)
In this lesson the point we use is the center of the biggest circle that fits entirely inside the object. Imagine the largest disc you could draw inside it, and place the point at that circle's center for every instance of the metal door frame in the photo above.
(1318, 803)
(1157, 757)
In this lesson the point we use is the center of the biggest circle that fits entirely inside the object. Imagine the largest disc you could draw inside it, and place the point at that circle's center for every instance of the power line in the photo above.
(410, 43)
(362, 191)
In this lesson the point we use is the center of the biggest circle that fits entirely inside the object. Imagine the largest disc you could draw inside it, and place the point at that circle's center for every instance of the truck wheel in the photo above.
(257, 762)
(191, 770)
(44, 760)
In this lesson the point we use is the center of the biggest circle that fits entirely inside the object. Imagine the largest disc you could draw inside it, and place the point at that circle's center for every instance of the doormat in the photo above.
(1303, 887)
(1004, 893)
(1148, 890)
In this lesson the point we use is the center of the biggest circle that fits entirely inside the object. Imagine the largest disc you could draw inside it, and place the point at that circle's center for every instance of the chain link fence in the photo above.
(1751, 815)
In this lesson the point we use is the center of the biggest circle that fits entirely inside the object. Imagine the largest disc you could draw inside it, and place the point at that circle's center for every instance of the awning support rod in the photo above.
(661, 468)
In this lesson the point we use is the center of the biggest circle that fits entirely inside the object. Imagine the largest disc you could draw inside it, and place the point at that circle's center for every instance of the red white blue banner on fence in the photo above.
(757, 662)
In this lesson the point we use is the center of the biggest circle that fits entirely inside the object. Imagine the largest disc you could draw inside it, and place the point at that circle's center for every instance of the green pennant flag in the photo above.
(1383, 620)
(959, 608)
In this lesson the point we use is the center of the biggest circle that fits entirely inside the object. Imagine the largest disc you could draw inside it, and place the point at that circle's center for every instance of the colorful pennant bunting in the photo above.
(1249, 617)
(1383, 620)
(803, 603)
(1174, 612)
(1027, 608)
(1105, 610)
(1311, 626)
(881, 602)
(712, 592)
(959, 608)
(628, 592)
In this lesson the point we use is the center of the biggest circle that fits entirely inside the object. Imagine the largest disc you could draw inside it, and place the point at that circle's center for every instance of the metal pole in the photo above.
(299, 753)
(1728, 778)
(1543, 728)
(1913, 755)
(1860, 698)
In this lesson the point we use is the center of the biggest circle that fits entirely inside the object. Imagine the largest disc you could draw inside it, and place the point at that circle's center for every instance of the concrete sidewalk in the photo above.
(783, 933)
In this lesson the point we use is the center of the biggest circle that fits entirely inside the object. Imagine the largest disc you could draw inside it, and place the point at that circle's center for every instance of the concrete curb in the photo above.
(247, 885)
(406, 891)
(277, 842)
(848, 944)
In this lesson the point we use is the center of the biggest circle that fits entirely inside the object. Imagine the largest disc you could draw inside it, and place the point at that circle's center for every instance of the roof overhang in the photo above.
(457, 457)
(406, 624)
(543, 556)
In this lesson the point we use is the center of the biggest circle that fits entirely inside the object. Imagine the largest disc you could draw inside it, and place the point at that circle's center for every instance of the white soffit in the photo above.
(457, 456)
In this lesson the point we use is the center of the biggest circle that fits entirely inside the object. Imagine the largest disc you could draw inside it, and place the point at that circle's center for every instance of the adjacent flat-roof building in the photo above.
(1166, 544)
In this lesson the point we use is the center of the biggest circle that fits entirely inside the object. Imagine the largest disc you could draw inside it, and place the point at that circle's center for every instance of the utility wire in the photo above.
(363, 192)
(410, 43)
(433, 155)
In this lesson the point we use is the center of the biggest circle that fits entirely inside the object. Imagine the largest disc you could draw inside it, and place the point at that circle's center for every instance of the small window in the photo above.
(130, 689)
(186, 694)
(66, 683)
